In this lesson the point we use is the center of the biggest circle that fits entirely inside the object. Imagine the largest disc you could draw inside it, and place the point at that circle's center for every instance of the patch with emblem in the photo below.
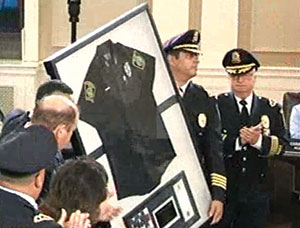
(127, 69)
(89, 91)
(138, 60)
(235, 57)
(41, 218)
(202, 120)
(272, 103)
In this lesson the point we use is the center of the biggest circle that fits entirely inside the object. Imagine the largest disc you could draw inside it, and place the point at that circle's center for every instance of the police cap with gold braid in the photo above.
(188, 41)
(26, 151)
(239, 61)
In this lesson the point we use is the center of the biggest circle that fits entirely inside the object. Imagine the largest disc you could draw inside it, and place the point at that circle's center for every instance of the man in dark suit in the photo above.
(201, 114)
(117, 99)
(25, 153)
(252, 130)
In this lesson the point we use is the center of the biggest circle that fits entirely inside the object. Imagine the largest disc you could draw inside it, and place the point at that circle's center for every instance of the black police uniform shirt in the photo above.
(204, 124)
(247, 168)
(16, 212)
(117, 100)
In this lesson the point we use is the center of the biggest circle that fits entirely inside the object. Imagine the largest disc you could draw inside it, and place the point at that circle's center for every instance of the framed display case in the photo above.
(132, 122)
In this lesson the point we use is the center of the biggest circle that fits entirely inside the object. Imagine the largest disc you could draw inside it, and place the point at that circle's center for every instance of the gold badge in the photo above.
(195, 37)
(202, 120)
(138, 60)
(41, 218)
(89, 91)
(265, 121)
(235, 57)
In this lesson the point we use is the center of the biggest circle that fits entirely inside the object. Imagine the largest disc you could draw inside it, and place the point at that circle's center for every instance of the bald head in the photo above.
(57, 102)
(59, 114)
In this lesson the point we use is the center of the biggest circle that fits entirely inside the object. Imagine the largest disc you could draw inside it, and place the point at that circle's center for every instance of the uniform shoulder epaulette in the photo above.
(41, 218)
(270, 102)
(199, 89)
(197, 86)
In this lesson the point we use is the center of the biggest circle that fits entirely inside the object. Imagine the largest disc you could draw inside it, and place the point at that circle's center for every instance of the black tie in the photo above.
(245, 118)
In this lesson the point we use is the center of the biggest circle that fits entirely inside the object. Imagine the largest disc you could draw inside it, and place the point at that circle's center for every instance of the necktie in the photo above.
(244, 115)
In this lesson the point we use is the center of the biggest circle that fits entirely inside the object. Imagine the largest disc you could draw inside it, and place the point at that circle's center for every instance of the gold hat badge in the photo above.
(235, 57)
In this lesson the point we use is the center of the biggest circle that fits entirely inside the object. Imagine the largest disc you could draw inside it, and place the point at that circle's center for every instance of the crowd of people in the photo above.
(234, 134)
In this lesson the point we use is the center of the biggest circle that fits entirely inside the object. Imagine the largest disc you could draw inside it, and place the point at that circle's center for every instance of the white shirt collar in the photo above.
(28, 198)
(248, 100)
(183, 88)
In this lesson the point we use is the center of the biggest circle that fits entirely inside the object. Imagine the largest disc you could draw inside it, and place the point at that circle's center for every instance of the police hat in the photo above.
(188, 41)
(16, 118)
(27, 150)
(239, 61)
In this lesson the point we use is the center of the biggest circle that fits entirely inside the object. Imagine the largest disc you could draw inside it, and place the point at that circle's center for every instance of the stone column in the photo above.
(219, 30)
(30, 33)
(171, 17)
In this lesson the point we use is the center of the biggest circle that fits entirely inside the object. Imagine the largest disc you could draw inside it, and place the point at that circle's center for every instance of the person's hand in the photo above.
(250, 135)
(108, 211)
(76, 220)
(216, 211)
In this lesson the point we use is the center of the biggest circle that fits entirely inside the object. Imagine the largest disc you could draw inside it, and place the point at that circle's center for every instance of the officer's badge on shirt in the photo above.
(138, 60)
(265, 122)
(202, 120)
(235, 57)
(41, 218)
(89, 91)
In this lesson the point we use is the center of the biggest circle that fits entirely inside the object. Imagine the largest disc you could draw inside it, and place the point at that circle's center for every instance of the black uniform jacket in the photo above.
(205, 126)
(16, 212)
(117, 100)
(247, 168)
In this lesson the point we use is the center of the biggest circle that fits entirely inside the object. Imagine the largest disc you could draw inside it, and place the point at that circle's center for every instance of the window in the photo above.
(11, 24)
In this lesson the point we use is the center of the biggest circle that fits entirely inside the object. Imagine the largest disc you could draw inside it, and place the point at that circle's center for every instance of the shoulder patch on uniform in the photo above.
(138, 60)
(41, 218)
(89, 91)
(272, 103)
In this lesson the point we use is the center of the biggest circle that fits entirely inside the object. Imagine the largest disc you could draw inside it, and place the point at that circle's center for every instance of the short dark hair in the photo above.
(51, 87)
(78, 185)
